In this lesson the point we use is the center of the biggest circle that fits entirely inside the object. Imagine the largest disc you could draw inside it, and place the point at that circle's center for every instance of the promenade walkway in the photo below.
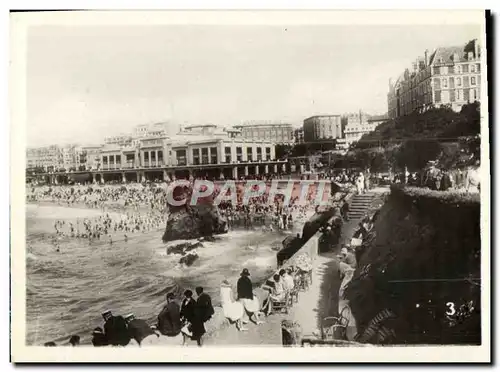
(321, 300)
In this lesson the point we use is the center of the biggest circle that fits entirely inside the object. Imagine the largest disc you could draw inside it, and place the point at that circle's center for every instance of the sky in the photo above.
(85, 83)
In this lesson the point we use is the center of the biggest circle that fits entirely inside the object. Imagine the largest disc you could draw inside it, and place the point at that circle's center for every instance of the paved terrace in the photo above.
(319, 301)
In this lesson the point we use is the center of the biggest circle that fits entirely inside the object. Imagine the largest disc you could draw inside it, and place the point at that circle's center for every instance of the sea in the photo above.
(67, 290)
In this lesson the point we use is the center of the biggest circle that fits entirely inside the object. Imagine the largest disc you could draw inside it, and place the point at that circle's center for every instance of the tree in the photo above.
(283, 150)
(416, 153)
(378, 160)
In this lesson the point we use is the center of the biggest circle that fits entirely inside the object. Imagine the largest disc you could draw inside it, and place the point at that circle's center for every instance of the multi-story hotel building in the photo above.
(322, 127)
(448, 76)
(274, 132)
(358, 124)
(197, 150)
(92, 156)
(49, 158)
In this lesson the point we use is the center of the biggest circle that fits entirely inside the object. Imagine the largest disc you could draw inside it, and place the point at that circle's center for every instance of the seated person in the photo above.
(140, 331)
(277, 295)
(287, 279)
(347, 258)
(98, 338)
(74, 340)
(115, 329)
(169, 319)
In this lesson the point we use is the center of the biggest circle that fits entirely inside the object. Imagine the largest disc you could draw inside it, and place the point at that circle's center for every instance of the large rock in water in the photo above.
(193, 222)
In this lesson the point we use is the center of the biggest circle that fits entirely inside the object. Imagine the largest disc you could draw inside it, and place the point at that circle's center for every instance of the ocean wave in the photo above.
(67, 291)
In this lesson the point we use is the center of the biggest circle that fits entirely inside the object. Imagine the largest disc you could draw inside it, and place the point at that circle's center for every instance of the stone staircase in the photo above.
(359, 205)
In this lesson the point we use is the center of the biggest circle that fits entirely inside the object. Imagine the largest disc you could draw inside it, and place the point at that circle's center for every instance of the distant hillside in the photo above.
(440, 134)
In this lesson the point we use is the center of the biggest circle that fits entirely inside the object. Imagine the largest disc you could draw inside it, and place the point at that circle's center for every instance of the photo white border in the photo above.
(22, 353)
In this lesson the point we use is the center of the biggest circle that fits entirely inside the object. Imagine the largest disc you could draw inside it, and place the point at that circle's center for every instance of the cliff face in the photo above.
(422, 262)
(193, 221)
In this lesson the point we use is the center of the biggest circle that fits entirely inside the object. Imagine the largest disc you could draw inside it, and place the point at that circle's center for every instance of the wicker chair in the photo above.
(279, 306)
(336, 328)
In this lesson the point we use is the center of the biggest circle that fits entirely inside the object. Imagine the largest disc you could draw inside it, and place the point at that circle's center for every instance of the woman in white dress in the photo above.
(360, 183)
(232, 310)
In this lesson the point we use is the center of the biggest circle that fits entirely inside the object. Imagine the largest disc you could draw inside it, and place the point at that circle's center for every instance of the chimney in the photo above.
(476, 48)
(426, 57)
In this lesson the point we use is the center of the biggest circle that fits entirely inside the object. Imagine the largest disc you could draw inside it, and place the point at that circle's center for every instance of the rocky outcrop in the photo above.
(183, 247)
(193, 221)
(189, 258)
(186, 249)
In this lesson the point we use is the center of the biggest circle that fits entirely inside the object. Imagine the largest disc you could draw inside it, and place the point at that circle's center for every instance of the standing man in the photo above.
(204, 305)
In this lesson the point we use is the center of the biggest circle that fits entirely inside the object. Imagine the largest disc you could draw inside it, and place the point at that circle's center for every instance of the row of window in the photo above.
(457, 69)
(456, 95)
(466, 80)
(204, 158)
(269, 134)
(112, 159)
(451, 82)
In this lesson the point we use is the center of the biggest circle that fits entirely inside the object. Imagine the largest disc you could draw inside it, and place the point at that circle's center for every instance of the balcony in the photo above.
(111, 167)
(181, 160)
(129, 165)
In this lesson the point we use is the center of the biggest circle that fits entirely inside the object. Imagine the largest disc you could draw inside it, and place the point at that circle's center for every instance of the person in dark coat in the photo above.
(191, 317)
(98, 338)
(169, 319)
(251, 304)
(344, 210)
(115, 329)
(74, 340)
(140, 330)
(244, 286)
(204, 305)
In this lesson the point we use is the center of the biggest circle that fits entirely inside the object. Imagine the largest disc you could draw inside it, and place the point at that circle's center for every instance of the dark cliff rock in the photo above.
(189, 258)
(183, 248)
(193, 221)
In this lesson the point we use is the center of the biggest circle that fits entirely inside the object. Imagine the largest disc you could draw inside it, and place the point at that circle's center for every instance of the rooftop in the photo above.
(322, 116)
(270, 124)
(200, 126)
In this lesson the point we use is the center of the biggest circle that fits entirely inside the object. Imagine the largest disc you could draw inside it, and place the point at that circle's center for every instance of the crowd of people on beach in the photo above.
(106, 227)
(146, 209)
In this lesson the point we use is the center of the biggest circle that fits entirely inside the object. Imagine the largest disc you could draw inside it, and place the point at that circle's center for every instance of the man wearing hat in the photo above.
(115, 329)
(140, 331)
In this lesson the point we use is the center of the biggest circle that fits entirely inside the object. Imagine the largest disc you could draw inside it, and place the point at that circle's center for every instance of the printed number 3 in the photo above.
(451, 309)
